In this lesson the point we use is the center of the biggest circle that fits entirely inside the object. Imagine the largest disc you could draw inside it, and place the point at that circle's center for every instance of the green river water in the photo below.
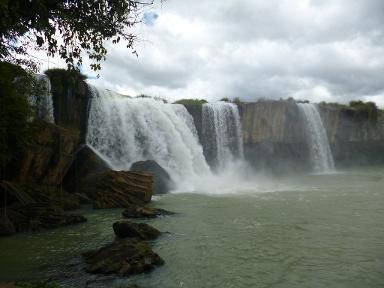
(297, 231)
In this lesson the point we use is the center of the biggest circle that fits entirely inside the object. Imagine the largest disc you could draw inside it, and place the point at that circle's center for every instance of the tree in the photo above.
(69, 28)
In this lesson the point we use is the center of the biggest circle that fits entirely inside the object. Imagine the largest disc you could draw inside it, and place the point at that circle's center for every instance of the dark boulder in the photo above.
(145, 212)
(161, 180)
(126, 229)
(123, 257)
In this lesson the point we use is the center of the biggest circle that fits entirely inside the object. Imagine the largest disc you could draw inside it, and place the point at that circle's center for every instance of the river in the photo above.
(315, 230)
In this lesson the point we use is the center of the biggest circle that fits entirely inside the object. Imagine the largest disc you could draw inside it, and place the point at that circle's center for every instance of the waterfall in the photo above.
(320, 151)
(221, 133)
(125, 130)
(43, 104)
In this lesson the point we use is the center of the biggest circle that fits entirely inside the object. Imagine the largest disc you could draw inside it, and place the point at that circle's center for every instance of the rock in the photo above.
(122, 189)
(70, 95)
(47, 158)
(124, 229)
(84, 172)
(145, 212)
(35, 217)
(123, 257)
(6, 226)
(161, 179)
(25, 194)
(90, 175)
(42, 216)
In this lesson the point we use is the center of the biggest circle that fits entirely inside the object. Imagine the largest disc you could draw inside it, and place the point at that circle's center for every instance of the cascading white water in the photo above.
(222, 137)
(125, 130)
(43, 104)
(320, 151)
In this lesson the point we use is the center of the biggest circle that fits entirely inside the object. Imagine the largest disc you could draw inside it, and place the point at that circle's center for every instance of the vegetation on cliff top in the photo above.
(191, 101)
(368, 110)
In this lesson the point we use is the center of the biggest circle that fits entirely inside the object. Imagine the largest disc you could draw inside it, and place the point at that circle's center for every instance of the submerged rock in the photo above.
(123, 257)
(145, 212)
(161, 179)
(125, 229)
(31, 207)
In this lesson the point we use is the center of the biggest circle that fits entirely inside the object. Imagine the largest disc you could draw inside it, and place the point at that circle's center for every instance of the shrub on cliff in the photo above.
(62, 79)
(191, 101)
(368, 109)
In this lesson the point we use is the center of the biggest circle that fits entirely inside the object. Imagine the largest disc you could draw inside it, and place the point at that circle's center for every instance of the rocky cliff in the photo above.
(273, 135)
(356, 137)
(275, 140)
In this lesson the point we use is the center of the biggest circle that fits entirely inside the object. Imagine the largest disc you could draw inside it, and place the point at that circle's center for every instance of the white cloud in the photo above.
(321, 50)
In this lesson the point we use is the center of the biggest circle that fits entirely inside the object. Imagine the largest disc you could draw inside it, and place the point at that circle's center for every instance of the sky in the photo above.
(317, 50)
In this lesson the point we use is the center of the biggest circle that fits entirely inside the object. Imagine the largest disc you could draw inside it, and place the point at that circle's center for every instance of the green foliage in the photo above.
(191, 101)
(15, 112)
(62, 79)
(66, 28)
(334, 104)
(368, 109)
(37, 284)
(236, 100)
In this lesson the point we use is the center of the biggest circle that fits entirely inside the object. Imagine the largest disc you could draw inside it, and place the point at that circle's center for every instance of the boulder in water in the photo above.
(123, 189)
(145, 212)
(161, 179)
(126, 229)
(123, 257)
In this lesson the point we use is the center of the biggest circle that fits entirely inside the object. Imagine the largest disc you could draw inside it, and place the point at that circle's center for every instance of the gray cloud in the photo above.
(328, 50)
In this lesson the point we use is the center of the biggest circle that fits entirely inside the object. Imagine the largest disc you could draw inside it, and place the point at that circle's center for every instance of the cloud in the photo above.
(321, 50)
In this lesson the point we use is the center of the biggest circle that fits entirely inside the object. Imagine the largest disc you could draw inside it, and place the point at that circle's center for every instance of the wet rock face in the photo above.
(122, 189)
(161, 179)
(273, 136)
(50, 155)
(123, 257)
(70, 101)
(84, 172)
(125, 229)
(355, 138)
